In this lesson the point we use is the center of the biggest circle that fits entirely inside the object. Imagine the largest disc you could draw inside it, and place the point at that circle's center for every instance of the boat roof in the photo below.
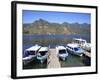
(43, 49)
(33, 48)
(60, 47)
(79, 39)
(73, 45)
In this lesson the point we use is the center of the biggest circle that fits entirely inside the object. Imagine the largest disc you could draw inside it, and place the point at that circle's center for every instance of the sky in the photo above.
(29, 16)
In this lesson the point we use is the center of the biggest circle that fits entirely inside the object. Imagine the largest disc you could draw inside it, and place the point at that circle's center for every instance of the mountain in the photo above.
(77, 28)
(44, 27)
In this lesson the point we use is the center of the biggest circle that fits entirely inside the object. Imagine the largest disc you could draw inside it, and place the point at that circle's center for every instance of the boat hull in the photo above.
(75, 53)
(28, 60)
(42, 58)
(63, 56)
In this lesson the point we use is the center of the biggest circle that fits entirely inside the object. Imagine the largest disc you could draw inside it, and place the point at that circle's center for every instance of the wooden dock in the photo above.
(53, 61)
(88, 54)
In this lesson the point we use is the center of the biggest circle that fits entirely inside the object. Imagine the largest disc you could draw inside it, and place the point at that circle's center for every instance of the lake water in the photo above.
(29, 38)
(72, 60)
(83, 36)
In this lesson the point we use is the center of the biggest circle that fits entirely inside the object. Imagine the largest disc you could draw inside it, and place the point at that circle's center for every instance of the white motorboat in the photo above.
(74, 48)
(42, 54)
(30, 54)
(83, 43)
(61, 52)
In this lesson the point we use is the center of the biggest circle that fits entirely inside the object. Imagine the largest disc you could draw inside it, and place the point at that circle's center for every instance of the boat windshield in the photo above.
(76, 49)
(62, 51)
(27, 53)
(42, 53)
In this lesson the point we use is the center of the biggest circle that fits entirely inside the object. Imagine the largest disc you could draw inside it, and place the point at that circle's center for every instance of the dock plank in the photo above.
(53, 61)
(87, 53)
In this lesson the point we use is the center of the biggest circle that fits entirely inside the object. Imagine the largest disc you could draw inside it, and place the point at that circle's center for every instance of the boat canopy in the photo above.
(60, 47)
(73, 45)
(43, 49)
(33, 48)
(79, 39)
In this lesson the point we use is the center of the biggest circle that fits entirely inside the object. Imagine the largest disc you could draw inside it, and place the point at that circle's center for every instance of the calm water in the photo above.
(29, 38)
(83, 36)
(71, 61)
(35, 65)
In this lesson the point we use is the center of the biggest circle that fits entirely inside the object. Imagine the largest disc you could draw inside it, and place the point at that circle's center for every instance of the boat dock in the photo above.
(53, 60)
(86, 53)
(86, 58)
